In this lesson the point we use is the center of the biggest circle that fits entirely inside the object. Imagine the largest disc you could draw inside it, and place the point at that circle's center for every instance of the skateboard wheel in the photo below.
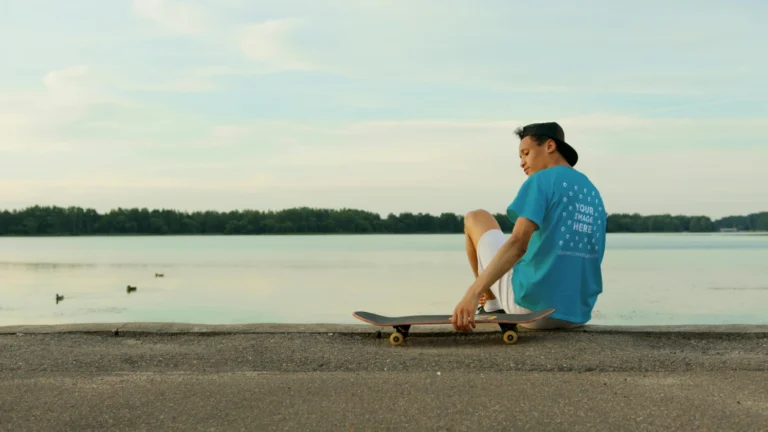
(510, 337)
(396, 338)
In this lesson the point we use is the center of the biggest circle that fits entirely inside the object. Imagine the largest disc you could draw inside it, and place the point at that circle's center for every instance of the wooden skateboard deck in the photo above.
(402, 324)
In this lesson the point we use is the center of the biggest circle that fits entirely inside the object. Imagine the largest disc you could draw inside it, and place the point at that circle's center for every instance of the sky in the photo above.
(381, 105)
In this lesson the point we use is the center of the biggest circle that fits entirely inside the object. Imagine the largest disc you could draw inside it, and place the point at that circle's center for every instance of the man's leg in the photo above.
(476, 224)
(471, 251)
(472, 256)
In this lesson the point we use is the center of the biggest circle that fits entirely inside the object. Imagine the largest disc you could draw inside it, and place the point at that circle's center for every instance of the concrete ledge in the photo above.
(192, 328)
(596, 378)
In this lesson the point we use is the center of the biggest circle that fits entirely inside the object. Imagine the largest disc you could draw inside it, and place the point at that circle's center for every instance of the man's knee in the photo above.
(477, 217)
(478, 222)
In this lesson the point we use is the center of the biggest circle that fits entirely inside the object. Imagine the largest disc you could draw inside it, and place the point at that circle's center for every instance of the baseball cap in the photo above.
(555, 132)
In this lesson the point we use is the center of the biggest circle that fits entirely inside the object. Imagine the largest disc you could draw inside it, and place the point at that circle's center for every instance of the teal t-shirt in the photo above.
(562, 266)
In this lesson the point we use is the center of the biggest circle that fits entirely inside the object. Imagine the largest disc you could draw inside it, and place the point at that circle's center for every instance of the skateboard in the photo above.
(402, 324)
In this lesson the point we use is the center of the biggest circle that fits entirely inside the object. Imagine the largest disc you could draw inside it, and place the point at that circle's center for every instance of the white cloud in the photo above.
(77, 119)
(459, 45)
(420, 165)
(228, 134)
(660, 138)
(30, 121)
(189, 81)
(173, 17)
(671, 165)
(66, 77)
(261, 135)
(108, 189)
(270, 44)
(627, 122)
(483, 154)
(76, 108)
(74, 86)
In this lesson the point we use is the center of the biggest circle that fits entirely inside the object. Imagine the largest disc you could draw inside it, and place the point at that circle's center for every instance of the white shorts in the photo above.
(487, 246)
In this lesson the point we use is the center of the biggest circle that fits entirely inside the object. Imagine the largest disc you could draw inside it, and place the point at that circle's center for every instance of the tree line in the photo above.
(52, 221)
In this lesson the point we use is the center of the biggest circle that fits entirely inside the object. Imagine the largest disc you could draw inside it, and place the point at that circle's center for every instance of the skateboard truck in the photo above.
(400, 334)
(510, 332)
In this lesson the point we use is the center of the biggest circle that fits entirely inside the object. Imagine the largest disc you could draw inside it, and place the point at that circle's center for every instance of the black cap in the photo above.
(555, 132)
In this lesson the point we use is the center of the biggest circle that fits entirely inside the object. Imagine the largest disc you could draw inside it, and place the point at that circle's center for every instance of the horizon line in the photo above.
(339, 209)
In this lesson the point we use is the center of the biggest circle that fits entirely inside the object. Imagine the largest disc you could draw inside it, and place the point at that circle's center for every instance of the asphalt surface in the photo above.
(576, 380)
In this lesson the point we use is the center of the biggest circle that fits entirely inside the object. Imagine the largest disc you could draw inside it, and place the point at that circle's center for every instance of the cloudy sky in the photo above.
(382, 105)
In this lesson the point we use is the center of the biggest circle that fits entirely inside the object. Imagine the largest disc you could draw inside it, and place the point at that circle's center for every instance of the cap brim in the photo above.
(568, 152)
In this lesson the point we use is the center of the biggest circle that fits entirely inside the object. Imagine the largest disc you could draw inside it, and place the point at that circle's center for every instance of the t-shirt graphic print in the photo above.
(584, 219)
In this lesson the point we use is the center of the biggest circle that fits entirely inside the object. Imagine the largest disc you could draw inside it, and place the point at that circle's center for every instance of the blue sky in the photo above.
(382, 105)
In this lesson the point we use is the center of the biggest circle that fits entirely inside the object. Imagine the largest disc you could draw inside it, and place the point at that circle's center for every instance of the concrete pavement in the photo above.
(345, 378)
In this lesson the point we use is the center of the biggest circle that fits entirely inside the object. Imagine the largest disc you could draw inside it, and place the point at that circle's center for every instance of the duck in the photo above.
(130, 289)
(59, 298)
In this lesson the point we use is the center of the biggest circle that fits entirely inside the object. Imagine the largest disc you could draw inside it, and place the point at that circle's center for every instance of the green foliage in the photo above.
(752, 222)
(50, 221)
(38, 221)
(623, 222)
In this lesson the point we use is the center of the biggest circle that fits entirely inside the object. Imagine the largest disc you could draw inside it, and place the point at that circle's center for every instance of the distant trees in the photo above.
(659, 223)
(51, 221)
(752, 222)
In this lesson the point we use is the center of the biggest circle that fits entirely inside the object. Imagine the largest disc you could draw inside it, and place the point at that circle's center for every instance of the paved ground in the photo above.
(693, 379)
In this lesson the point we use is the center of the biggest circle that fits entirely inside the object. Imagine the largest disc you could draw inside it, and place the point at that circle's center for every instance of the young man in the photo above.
(553, 257)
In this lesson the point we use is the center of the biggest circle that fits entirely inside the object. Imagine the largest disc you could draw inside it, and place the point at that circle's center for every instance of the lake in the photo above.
(649, 279)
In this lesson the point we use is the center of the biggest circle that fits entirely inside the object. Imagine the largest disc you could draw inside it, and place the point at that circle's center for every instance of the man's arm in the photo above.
(508, 255)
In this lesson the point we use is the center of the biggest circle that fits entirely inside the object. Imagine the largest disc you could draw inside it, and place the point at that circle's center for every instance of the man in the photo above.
(553, 257)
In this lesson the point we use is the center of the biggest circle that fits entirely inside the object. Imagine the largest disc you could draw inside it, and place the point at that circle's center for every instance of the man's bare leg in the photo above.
(477, 223)
(471, 254)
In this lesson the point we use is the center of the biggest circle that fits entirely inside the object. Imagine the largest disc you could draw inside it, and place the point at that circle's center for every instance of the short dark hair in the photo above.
(540, 133)
(538, 139)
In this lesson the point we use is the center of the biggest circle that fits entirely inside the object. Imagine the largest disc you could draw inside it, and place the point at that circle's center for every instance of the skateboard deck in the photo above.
(402, 324)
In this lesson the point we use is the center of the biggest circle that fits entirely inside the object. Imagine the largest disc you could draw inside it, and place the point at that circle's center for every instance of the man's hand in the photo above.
(463, 318)
(511, 251)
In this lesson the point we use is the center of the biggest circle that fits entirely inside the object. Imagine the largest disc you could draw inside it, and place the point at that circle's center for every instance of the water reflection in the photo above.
(648, 279)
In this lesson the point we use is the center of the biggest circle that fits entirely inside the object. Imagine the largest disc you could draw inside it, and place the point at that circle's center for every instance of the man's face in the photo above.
(534, 157)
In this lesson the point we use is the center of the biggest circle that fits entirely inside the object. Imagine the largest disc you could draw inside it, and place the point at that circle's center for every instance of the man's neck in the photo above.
(560, 162)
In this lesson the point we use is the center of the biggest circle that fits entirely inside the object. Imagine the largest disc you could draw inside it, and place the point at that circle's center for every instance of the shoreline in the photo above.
(320, 234)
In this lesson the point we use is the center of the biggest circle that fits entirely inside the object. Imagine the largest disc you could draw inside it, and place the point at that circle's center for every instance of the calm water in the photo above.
(649, 279)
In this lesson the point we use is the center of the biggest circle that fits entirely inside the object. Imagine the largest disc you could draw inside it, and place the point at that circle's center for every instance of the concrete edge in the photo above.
(192, 328)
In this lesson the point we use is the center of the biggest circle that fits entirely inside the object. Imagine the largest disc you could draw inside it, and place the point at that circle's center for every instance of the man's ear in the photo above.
(551, 146)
